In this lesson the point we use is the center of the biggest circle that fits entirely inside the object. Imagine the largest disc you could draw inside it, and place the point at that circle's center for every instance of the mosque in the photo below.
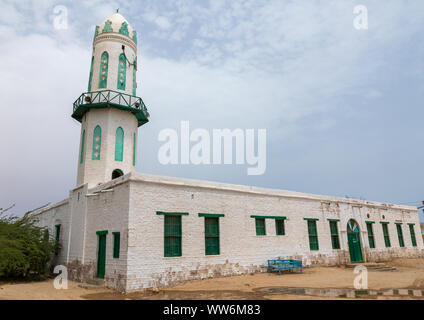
(134, 231)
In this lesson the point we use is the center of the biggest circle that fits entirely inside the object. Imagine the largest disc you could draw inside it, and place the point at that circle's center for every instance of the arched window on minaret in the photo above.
(91, 74)
(97, 143)
(104, 64)
(82, 147)
(122, 72)
(119, 144)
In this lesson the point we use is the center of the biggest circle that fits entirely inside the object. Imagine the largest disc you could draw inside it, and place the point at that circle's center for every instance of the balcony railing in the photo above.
(104, 98)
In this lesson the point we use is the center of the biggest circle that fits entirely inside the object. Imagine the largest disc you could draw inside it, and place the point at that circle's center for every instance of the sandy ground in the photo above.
(410, 275)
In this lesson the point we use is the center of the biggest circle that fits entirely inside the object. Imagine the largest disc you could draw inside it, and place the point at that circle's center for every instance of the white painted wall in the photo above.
(95, 172)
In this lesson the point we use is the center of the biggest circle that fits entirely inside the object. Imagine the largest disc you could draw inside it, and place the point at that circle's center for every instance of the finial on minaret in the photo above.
(117, 10)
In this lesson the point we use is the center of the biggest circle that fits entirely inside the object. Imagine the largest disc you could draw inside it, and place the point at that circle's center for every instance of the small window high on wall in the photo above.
(122, 72)
(104, 66)
(97, 143)
(119, 144)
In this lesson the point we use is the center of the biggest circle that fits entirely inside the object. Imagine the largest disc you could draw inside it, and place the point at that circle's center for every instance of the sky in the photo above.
(342, 107)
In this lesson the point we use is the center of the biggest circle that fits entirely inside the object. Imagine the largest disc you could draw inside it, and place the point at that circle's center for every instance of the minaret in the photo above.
(110, 112)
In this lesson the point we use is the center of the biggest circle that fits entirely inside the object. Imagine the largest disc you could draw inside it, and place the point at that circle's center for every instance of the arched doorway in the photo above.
(117, 173)
(354, 241)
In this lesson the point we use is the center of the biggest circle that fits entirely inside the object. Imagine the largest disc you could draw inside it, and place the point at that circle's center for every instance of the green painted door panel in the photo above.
(355, 250)
(101, 257)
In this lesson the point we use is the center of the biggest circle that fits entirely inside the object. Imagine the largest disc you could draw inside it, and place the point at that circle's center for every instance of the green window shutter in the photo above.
(82, 147)
(260, 227)
(412, 232)
(313, 235)
(335, 241)
(97, 143)
(173, 235)
(212, 236)
(370, 235)
(119, 144)
(134, 78)
(279, 227)
(116, 244)
(122, 71)
(134, 145)
(400, 235)
(104, 66)
(386, 235)
(91, 74)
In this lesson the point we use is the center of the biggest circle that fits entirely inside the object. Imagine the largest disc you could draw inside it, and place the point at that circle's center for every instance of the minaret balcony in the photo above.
(110, 99)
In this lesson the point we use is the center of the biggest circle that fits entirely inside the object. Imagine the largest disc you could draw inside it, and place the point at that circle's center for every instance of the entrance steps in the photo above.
(372, 266)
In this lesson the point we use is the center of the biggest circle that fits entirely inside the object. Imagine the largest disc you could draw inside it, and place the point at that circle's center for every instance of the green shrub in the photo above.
(25, 249)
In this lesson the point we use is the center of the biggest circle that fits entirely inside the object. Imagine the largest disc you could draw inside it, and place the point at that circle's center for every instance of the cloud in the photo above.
(298, 69)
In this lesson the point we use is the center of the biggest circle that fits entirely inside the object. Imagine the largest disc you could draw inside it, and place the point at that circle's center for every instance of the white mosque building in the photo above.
(140, 231)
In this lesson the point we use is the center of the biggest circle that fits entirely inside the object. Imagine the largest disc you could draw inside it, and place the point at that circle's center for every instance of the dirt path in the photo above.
(410, 275)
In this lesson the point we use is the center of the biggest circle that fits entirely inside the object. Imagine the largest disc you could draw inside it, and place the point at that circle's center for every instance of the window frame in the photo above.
(282, 226)
(371, 238)
(173, 238)
(400, 235)
(386, 235)
(116, 244)
(212, 237)
(412, 234)
(313, 236)
(335, 239)
(259, 228)
(104, 66)
(119, 144)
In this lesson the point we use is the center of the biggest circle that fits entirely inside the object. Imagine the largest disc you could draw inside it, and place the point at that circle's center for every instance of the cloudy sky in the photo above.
(342, 107)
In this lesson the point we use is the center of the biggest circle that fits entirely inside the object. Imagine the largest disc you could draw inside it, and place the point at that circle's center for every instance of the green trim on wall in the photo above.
(124, 29)
(104, 67)
(311, 219)
(369, 221)
(102, 233)
(82, 147)
(384, 222)
(134, 91)
(334, 220)
(398, 223)
(269, 217)
(108, 26)
(161, 213)
(411, 224)
(122, 72)
(134, 37)
(119, 144)
(211, 215)
(97, 143)
(91, 74)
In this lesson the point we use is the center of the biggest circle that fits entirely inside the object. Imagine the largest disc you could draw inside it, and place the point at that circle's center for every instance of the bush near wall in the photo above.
(25, 249)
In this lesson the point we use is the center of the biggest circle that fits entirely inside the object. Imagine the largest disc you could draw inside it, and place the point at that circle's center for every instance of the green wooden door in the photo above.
(101, 256)
(354, 242)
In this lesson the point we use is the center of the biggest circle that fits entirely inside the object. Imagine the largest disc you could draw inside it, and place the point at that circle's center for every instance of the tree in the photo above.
(25, 249)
